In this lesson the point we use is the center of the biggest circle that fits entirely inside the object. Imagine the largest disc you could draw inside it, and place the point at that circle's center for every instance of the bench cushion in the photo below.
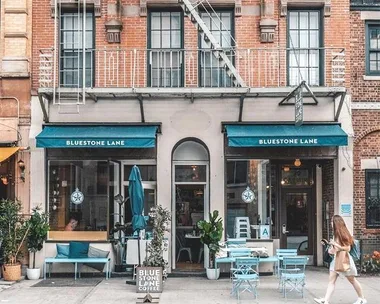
(78, 250)
(79, 260)
(63, 251)
(96, 253)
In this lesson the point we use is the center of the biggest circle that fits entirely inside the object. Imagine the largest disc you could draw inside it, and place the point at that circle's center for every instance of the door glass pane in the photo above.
(296, 177)
(189, 209)
(297, 220)
(190, 173)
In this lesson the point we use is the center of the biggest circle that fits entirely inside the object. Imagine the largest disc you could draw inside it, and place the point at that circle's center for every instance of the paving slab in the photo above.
(188, 291)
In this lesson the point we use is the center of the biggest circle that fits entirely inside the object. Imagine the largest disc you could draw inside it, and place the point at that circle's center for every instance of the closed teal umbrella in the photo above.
(136, 196)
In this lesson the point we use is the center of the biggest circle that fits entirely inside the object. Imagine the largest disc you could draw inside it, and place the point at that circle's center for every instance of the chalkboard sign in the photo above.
(149, 279)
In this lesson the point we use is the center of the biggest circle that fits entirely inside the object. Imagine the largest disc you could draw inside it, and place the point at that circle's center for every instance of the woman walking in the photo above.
(340, 248)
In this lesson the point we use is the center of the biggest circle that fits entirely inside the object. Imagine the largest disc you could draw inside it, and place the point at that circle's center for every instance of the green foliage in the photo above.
(161, 218)
(371, 263)
(14, 229)
(211, 233)
(38, 230)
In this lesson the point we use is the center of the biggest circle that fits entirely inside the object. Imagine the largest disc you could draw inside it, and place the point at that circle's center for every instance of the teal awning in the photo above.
(97, 137)
(285, 135)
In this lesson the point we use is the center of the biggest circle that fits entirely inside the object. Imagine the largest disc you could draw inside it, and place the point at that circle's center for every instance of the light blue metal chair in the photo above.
(280, 253)
(246, 277)
(236, 242)
(293, 274)
(236, 253)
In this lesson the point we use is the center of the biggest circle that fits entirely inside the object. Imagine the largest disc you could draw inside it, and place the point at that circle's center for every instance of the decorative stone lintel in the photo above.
(95, 3)
(114, 28)
(143, 8)
(267, 30)
(326, 4)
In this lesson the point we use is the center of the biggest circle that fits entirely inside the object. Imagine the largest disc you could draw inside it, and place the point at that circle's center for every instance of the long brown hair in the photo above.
(341, 232)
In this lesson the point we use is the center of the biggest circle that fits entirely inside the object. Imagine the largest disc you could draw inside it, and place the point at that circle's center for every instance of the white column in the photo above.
(344, 186)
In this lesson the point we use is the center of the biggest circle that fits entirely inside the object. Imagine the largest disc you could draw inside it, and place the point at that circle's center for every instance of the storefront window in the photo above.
(78, 195)
(250, 195)
(190, 174)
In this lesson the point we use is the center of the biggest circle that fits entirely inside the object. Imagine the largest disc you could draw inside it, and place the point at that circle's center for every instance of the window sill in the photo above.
(77, 236)
(371, 78)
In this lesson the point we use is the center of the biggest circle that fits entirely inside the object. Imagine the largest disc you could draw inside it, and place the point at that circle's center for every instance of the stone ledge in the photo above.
(16, 10)
(371, 77)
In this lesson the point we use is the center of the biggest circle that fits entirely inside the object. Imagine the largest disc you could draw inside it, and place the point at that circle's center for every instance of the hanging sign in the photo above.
(264, 232)
(299, 107)
(346, 209)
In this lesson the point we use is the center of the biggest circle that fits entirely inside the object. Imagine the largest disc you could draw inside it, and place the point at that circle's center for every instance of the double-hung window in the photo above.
(211, 72)
(72, 52)
(372, 200)
(165, 54)
(373, 49)
(305, 56)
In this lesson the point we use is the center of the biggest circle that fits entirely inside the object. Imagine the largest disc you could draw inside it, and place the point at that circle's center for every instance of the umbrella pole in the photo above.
(138, 247)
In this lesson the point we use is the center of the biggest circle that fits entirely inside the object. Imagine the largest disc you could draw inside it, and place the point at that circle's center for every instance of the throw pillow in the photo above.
(78, 250)
(63, 251)
(96, 253)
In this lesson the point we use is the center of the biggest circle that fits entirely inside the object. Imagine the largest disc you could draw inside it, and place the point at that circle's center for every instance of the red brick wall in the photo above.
(366, 146)
(247, 33)
(361, 90)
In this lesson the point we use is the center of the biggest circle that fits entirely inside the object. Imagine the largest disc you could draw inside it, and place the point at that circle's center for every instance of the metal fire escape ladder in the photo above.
(191, 11)
(70, 98)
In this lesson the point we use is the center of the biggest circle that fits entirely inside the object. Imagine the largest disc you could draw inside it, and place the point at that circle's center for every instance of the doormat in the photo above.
(68, 282)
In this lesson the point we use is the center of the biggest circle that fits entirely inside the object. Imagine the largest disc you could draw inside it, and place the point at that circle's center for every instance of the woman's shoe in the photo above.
(361, 301)
(321, 301)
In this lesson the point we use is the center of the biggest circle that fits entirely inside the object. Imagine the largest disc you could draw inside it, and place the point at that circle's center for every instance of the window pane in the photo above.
(293, 20)
(186, 173)
(176, 39)
(314, 20)
(155, 39)
(165, 21)
(251, 198)
(176, 21)
(373, 66)
(148, 172)
(304, 39)
(294, 39)
(304, 20)
(314, 39)
(78, 195)
(373, 199)
(155, 21)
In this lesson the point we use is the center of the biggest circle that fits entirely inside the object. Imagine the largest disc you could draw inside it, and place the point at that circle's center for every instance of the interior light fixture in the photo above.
(297, 162)
(286, 169)
(21, 165)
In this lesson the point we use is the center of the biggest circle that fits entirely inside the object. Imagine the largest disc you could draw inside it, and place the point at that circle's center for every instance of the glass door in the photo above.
(189, 205)
(297, 224)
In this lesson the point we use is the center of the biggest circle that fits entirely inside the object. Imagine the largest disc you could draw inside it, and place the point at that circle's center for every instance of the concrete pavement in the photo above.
(187, 291)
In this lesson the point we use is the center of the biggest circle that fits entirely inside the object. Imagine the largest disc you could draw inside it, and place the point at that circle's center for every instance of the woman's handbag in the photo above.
(342, 261)
(327, 258)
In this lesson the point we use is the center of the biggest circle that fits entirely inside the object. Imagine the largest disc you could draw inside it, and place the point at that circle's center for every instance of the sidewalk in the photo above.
(187, 291)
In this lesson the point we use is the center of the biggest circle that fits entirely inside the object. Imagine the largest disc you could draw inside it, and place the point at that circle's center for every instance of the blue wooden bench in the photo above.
(79, 261)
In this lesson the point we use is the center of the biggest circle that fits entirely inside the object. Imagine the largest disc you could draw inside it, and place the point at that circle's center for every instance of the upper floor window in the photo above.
(71, 49)
(305, 56)
(211, 72)
(373, 49)
(165, 55)
(372, 200)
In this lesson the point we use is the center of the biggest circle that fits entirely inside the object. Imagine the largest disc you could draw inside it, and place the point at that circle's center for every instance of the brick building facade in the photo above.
(15, 88)
(365, 90)
(147, 65)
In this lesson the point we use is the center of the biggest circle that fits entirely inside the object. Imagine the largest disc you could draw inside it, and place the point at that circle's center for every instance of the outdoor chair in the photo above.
(235, 254)
(181, 247)
(236, 242)
(280, 253)
(246, 277)
(293, 274)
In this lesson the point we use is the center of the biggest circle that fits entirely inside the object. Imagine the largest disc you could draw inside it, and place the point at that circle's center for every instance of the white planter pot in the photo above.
(212, 274)
(33, 274)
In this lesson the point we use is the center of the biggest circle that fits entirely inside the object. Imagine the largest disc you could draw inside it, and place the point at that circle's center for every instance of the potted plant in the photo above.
(38, 230)
(15, 229)
(155, 265)
(211, 233)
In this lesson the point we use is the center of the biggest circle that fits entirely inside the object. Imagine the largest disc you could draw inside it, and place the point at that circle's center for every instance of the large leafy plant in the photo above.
(14, 228)
(211, 233)
(38, 230)
(155, 257)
